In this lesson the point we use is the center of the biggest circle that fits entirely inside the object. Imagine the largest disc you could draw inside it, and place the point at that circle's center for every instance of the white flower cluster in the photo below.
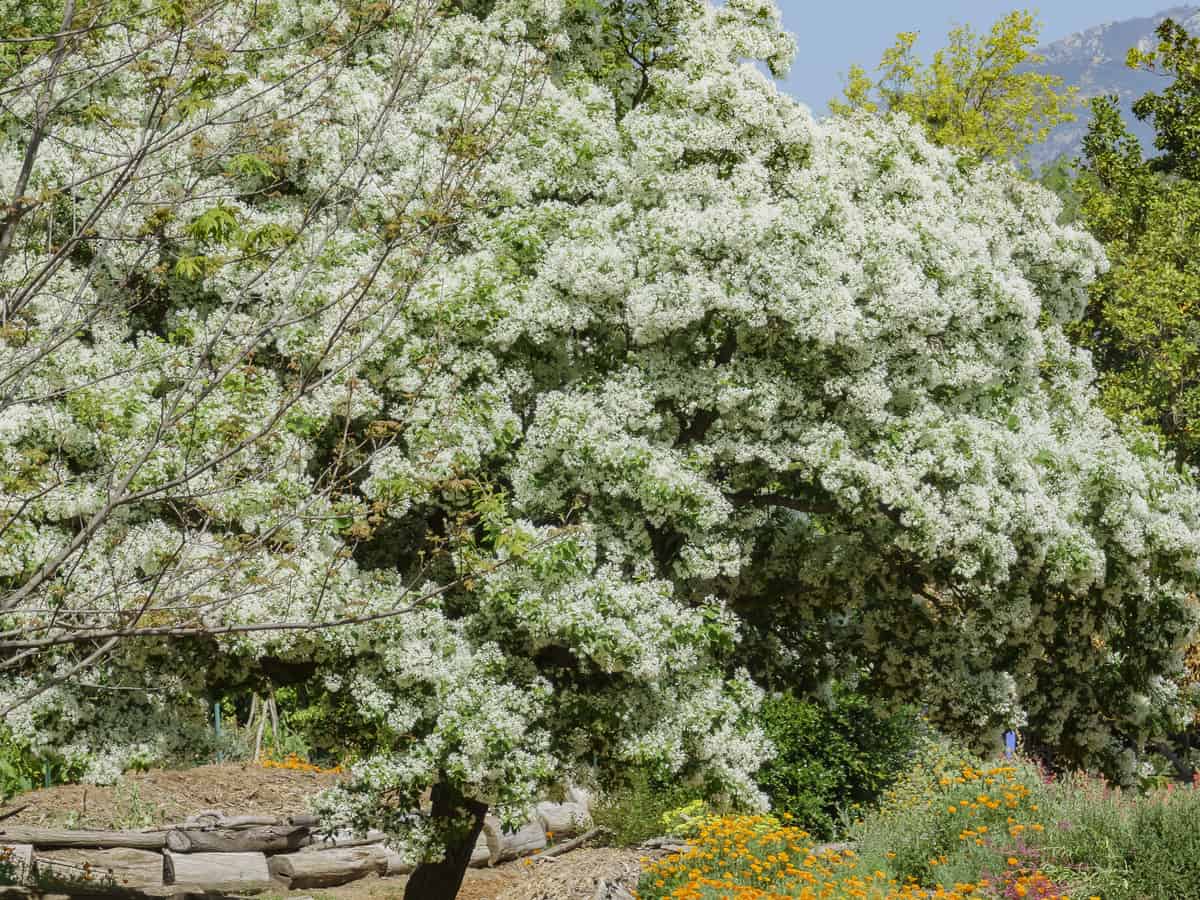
(667, 354)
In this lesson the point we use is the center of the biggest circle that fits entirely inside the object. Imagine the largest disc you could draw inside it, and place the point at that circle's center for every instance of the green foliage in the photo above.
(980, 93)
(321, 726)
(1143, 322)
(17, 767)
(635, 810)
(1059, 178)
(956, 818)
(832, 756)
(687, 819)
(1135, 847)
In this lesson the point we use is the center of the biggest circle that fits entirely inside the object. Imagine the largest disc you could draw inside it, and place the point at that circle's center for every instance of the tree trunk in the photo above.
(441, 880)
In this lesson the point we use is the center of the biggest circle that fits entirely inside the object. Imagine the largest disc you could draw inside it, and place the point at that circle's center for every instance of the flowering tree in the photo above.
(245, 436)
(676, 352)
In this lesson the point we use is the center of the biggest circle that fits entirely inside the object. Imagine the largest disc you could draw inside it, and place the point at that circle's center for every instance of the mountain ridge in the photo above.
(1094, 61)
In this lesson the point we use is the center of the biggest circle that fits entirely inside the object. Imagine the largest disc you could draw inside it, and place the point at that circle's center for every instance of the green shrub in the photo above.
(18, 767)
(1132, 846)
(955, 818)
(633, 811)
(832, 756)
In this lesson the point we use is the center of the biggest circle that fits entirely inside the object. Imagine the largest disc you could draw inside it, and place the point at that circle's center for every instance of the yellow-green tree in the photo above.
(979, 93)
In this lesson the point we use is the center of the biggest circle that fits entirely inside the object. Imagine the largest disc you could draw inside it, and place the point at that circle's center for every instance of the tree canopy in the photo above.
(981, 93)
(536, 394)
(1143, 322)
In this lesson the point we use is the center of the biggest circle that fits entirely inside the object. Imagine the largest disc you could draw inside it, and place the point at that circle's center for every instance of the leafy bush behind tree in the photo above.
(832, 755)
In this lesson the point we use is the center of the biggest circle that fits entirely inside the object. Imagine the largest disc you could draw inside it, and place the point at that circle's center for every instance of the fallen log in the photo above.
(244, 821)
(563, 818)
(262, 839)
(298, 871)
(94, 840)
(529, 839)
(481, 856)
(304, 819)
(122, 868)
(493, 836)
(343, 839)
(568, 846)
(12, 811)
(582, 796)
(397, 864)
(207, 872)
(18, 857)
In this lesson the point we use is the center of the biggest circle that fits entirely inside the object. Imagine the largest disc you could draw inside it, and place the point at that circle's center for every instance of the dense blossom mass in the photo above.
(559, 375)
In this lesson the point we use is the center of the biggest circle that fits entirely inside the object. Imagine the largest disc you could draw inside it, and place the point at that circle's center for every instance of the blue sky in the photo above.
(833, 34)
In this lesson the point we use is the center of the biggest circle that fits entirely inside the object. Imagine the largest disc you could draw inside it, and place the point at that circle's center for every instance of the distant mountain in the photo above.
(1094, 61)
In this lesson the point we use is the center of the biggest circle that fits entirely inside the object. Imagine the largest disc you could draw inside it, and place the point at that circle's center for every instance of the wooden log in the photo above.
(263, 839)
(298, 871)
(343, 839)
(582, 796)
(530, 839)
(122, 868)
(482, 854)
(208, 823)
(20, 858)
(568, 846)
(397, 864)
(209, 872)
(493, 835)
(304, 819)
(12, 811)
(95, 840)
(563, 819)
(246, 821)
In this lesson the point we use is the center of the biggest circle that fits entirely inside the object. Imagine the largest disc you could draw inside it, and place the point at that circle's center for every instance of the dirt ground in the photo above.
(162, 796)
(573, 876)
(159, 797)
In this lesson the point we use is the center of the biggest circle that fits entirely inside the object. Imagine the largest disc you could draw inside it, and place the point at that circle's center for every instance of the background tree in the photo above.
(979, 94)
(1143, 320)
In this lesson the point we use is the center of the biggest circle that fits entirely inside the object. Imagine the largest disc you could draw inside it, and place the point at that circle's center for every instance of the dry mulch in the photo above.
(572, 876)
(162, 796)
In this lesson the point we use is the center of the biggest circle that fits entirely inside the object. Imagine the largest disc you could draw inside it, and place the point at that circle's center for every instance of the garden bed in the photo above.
(160, 796)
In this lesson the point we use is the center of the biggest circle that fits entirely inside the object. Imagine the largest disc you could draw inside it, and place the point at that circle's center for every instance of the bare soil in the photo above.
(162, 796)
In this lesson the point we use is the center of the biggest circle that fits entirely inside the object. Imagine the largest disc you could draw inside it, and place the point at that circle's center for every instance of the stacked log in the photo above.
(201, 872)
(122, 868)
(260, 839)
(213, 852)
(329, 868)
(18, 858)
